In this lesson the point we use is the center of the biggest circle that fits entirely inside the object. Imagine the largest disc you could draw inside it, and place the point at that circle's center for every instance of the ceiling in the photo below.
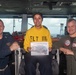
(47, 7)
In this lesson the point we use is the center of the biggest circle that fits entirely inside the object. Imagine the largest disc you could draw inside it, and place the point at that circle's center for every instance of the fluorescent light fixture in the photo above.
(73, 3)
(56, 9)
(10, 10)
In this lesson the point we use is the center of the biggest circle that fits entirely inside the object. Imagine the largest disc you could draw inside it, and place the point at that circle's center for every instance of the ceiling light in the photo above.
(10, 10)
(73, 3)
(56, 9)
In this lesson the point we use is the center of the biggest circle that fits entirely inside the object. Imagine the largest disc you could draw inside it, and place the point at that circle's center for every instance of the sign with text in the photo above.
(39, 48)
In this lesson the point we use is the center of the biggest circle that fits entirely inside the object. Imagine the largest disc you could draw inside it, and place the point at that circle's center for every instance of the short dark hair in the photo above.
(38, 14)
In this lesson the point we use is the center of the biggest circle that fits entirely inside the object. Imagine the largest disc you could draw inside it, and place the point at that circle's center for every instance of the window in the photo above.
(12, 24)
(56, 26)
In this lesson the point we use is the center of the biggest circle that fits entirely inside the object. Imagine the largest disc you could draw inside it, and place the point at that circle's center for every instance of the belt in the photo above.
(4, 68)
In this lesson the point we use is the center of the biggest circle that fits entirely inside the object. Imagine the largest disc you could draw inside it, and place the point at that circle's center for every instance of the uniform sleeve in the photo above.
(49, 39)
(26, 41)
(59, 44)
(5, 50)
(74, 51)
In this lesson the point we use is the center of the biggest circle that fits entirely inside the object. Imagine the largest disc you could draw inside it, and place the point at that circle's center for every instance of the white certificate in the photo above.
(39, 48)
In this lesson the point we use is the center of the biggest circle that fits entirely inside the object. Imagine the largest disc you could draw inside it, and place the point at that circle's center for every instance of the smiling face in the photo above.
(37, 19)
(71, 27)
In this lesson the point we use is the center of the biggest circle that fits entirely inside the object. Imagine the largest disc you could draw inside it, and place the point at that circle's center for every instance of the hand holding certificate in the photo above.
(39, 48)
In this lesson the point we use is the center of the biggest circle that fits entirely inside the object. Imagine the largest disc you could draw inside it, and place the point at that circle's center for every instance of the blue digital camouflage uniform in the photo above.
(5, 52)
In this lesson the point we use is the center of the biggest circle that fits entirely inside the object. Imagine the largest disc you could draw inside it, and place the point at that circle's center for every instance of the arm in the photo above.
(26, 44)
(4, 52)
(74, 52)
(8, 45)
(50, 41)
(67, 51)
(64, 50)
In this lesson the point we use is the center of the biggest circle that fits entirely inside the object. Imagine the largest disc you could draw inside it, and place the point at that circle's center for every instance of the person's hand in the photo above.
(29, 49)
(14, 46)
(63, 50)
(66, 51)
(69, 52)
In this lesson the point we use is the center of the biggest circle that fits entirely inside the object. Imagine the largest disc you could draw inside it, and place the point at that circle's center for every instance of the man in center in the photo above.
(38, 33)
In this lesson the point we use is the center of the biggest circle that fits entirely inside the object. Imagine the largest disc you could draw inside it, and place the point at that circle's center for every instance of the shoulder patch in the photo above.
(74, 45)
(67, 42)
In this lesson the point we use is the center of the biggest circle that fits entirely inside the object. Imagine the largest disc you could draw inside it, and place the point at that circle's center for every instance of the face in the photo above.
(71, 27)
(1, 27)
(37, 20)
